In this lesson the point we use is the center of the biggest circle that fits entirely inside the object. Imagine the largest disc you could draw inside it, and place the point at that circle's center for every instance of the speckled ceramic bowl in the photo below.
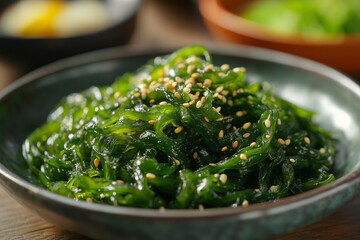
(25, 105)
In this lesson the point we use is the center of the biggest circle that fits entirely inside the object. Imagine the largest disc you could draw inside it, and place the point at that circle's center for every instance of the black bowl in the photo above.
(34, 52)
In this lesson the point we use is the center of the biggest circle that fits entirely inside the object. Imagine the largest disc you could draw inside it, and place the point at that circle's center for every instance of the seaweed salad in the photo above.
(179, 133)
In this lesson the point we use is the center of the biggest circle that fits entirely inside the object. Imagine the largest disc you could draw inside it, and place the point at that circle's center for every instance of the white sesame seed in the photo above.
(212, 164)
(225, 67)
(239, 113)
(177, 95)
(195, 155)
(188, 86)
(186, 104)
(151, 122)
(273, 188)
(174, 84)
(89, 200)
(195, 75)
(207, 119)
(246, 125)
(218, 109)
(179, 80)
(230, 103)
(267, 136)
(186, 90)
(287, 142)
(221, 134)
(239, 69)
(150, 176)
(322, 150)
(307, 140)
(137, 95)
(246, 135)
(224, 149)
(257, 190)
(252, 144)
(207, 82)
(190, 69)
(117, 95)
(223, 178)
(292, 160)
(279, 121)
(163, 103)
(235, 144)
(178, 129)
(201, 207)
(192, 102)
(245, 203)
(120, 181)
(198, 104)
(209, 67)
(181, 66)
(177, 162)
(219, 89)
(267, 123)
(216, 175)
(221, 74)
(281, 141)
(243, 156)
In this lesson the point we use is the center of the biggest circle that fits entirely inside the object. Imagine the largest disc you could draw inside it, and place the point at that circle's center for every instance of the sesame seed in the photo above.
(150, 176)
(89, 200)
(267, 123)
(174, 84)
(195, 75)
(199, 84)
(216, 175)
(225, 92)
(230, 103)
(96, 162)
(219, 96)
(202, 99)
(201, 207)
(267, 136)
(246, 135)
(273, 188)
(292, 160)
(287, 142)
(252, 144)
(163, 103)
(151, 122)
(162, 209)
(245, 203)
(190, 69)
(234, 93)
(209, 67)
(207, 82)
(195, 155)
(181, 66)
(198, 104)
(225, 67)
(243, 156)
(221, 74)
(223, 178)
(149, 79)
(177, 162)
(120, 181)
(221, 134)
(322, 150)
(281, 141)
(239, 69)
(234, 128)
(257, 190)
(206, 119)
(178, 129)
(224, 149)
(177, 94)
(137, 95)
(190, 81)
(179, 79)
(186, 104)
(239, 113)
(212, 164)
(188, 86)
(186, 90)
(192, 102)
(235, 144)
(307, 140)
(279, 121)
(219, 89)
(117, 95)
(133, 132)
(218, 109)
(246, 125)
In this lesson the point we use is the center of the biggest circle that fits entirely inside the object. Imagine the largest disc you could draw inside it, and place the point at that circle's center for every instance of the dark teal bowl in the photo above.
(25, 105)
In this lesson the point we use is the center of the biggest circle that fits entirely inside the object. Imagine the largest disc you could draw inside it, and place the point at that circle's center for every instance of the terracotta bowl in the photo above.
(341, 52)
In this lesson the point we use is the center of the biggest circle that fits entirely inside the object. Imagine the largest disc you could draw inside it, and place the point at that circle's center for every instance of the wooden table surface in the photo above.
(159, 22)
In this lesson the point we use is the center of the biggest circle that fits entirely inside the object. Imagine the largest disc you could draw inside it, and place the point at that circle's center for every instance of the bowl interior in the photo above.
(26, 104)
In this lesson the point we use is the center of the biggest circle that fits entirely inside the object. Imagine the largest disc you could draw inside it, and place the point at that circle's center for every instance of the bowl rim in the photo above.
(250, 212)
(111, 26)
(224, 18)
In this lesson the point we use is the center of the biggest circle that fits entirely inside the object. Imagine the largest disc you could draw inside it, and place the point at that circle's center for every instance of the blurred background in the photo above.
(34, 33)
